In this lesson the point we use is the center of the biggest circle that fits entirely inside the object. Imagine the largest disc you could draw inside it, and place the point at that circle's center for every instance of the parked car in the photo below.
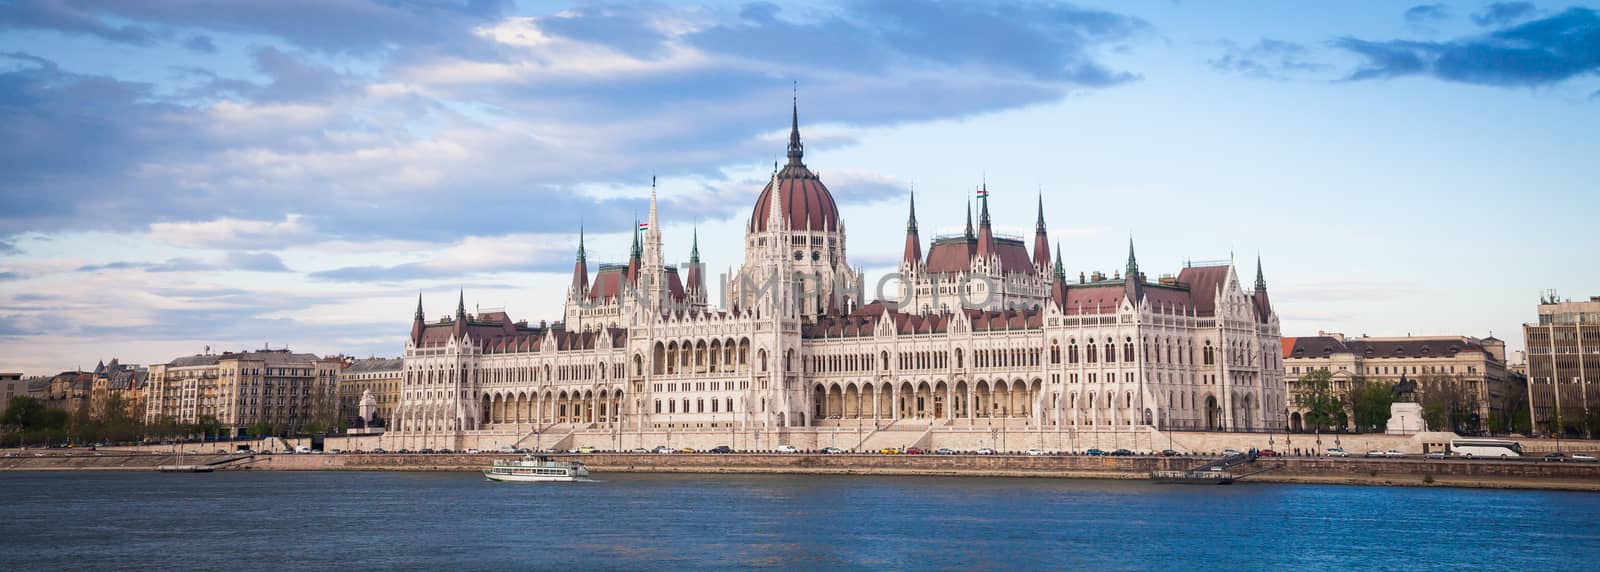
(1374, 453)
(888, 451)
(1094, 453)
(379, 451)
(916, 451)
(1582, 458)
(1393, 453)
(302, 449)
(945, 451)
(1169, 453)
(686, 450)
(1554, 457)
(639, 450)
(1337, 452)
(1266, 453)
(1230, 452)
(1122, 453)
(787, 449)
(1435, 455)
(335, 451)
(721, 449)
(507, 449)
(833, 451)
(664, 450)
(586, 449)
(985, 451)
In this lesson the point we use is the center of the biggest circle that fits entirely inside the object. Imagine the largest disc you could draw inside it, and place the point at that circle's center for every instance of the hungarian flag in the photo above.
(644, 226)
(983, 192)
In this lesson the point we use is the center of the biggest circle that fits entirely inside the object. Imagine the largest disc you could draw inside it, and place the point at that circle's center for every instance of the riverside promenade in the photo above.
(1415, 471)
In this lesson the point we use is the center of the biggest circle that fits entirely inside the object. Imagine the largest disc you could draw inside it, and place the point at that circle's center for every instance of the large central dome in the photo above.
(805, 201)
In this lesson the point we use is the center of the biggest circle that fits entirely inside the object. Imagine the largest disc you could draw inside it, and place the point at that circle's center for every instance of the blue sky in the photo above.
(183, 173)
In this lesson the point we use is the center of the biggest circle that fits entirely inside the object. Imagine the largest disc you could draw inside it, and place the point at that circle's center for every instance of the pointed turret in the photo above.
(1058, 282)
(633, 256)
(1262, 303)
(969, 218)
(985, 232)
(1041, 241)
(417, 322)
(652, 235)
(696, 280)
(913, 250)
(459, 328)
(1132, 283)
(1261, 279)
(1060, 273)
(580, 270)
(1133, 263)
(796, 149)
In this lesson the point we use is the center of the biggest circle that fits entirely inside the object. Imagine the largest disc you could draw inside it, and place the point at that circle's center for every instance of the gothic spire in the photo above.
(1041, 241)
(983, 213)
(580, 269)
(461, 305)
(694, 247)
(1060, 271)
(796, 149)
(913, 251)
(969, 218)
(1133, 263)
(416, 324)
(1261, 279)
(635, 250)
(985, 233)
(911, 222)
(1039, 226)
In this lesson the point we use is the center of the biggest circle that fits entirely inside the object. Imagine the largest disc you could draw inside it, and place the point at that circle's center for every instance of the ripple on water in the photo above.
(242, 521)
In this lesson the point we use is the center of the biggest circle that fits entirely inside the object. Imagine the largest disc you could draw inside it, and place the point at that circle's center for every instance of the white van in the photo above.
(302, 449)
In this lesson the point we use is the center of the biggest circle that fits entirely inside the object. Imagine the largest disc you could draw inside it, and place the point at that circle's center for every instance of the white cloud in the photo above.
(232, 233)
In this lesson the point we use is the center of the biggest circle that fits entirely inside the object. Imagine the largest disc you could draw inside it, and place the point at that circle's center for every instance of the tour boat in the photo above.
(533, 469)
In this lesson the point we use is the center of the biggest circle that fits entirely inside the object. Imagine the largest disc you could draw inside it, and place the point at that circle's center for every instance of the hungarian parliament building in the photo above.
(984, 336)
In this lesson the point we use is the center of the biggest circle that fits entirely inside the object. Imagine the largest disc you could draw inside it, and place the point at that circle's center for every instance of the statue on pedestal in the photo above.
(1405, 391)
(369, 407)
(1405, 414)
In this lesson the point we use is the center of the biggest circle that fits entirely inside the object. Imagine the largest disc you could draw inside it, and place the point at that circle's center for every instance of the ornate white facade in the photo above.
(798, 353)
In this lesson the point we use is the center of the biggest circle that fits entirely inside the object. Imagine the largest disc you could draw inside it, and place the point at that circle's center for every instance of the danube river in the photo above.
(449, 521)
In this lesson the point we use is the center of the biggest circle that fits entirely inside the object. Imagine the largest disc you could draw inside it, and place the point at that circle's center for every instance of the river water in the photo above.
(457, 521)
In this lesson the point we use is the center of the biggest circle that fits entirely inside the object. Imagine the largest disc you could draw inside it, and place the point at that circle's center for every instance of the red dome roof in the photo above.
(806, 202)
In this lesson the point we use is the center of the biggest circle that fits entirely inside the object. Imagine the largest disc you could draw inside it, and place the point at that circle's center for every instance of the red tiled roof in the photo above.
(1203, 282)
(608, 282)
(1093, 299)
(805, 200)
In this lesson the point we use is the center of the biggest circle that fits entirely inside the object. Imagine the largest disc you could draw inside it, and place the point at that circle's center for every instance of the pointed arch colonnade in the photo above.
(926, 399)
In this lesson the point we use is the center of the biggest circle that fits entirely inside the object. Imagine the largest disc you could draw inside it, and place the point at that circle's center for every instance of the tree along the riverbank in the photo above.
(29, 421)
(1323, 407)
(1369, 404)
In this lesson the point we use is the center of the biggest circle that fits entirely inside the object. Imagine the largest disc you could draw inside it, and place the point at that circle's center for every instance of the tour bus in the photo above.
(1471, 448)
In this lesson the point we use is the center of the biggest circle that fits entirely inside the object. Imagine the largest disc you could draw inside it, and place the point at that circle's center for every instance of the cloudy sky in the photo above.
(184, 173)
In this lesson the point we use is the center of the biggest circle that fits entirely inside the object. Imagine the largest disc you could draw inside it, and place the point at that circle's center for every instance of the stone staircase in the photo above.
(553, 436)
(901, 434)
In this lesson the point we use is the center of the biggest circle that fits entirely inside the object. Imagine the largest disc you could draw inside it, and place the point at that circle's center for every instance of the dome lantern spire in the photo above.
(797, 150)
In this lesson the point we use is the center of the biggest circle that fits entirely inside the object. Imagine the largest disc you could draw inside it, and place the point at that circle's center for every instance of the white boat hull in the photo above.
(514, 478)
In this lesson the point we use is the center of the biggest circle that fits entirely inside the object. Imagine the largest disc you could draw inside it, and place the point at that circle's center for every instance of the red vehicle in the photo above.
(1266, 453)
(915, 451)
